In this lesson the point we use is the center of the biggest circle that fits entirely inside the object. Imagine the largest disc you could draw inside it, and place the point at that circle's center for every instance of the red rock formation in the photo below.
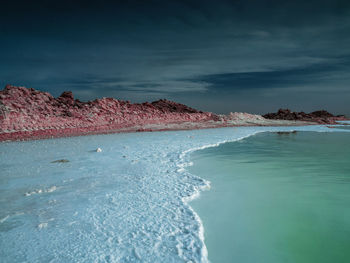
(32, 114)
(29, 113)
(322, 116)
(170, 106)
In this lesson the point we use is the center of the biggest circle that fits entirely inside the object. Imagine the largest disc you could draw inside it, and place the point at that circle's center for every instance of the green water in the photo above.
(277, 198)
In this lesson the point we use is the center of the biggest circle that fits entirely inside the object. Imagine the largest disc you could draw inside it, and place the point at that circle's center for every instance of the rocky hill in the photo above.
(34, 113)
(321, 116)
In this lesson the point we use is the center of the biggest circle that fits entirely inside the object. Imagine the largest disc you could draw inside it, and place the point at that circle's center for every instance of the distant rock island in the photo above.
(26, 113)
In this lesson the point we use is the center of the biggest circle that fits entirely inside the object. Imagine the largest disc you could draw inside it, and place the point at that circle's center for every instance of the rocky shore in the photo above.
(26, 113)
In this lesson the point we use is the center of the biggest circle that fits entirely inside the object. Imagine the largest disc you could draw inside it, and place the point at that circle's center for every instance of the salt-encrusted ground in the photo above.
(127, 203)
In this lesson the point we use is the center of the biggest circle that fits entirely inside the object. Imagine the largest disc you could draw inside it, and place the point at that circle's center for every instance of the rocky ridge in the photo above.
(26, 113)
(24, 110)
(321, 116)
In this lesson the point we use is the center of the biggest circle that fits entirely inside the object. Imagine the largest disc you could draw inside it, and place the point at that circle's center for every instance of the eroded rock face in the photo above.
(25, 110)
(321, 116)
(170, 106)
(32, 114)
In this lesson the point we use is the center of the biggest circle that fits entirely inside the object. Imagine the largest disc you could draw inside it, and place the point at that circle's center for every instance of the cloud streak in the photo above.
(192, 51)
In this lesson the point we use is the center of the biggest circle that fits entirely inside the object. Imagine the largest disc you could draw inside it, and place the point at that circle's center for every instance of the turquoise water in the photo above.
(344, 127)
(277, 198)
(131, 202)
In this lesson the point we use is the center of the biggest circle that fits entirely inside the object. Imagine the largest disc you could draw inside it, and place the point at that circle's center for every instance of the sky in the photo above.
(220, 56)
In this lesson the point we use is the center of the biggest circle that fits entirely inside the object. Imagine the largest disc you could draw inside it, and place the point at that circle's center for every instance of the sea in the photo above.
(240, 194)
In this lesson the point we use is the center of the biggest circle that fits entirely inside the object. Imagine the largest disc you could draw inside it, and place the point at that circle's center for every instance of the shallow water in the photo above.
(127, 203)
(277, 198)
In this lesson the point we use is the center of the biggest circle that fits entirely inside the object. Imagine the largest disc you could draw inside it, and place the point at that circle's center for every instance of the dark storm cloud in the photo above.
(255, 54)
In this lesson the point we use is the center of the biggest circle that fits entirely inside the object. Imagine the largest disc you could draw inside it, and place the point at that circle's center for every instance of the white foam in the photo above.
(41, 191)
(42, 225)
(51, 189)
(2, 220)
(98, 150)
(196, 193)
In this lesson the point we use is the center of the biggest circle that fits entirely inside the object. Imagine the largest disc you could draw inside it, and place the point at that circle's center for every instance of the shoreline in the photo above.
(189, 159)
(161, 164)
(27, 135)
(185, 161)
(29, 114)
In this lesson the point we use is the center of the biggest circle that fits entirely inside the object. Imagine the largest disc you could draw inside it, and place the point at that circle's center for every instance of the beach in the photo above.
(129, 202)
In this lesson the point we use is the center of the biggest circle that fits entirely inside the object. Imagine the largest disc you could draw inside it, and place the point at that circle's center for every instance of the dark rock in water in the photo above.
(286, 132)
(321, 116)
(61, 161)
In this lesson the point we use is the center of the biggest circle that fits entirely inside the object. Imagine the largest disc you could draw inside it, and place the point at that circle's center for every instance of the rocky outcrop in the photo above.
(32, 113)
(322, 116)
(167, 106)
